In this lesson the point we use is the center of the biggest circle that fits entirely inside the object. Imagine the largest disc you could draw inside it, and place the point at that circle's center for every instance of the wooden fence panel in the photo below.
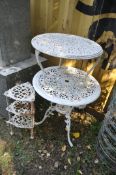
(62, 16)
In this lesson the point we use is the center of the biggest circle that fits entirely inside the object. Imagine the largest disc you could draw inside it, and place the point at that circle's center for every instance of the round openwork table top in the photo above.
(66, 46)
(66, 86)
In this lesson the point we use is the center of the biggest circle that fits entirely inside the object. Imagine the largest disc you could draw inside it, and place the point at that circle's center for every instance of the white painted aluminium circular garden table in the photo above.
(67, 88)
(66, 46)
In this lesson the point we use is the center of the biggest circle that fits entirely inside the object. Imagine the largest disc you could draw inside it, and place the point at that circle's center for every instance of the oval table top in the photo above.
(66, 46)
(66, 86)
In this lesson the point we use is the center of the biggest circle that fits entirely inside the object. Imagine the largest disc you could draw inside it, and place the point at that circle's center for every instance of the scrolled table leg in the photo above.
(37, 58)
(68, 125)
(49, 112)
(90, 70)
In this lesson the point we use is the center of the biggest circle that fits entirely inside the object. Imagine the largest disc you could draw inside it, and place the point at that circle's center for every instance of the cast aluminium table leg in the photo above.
(66, 110)
(93, 67)
(63, 110)
(90, 70)
(68, 125)
(49, 112)
(37, 58)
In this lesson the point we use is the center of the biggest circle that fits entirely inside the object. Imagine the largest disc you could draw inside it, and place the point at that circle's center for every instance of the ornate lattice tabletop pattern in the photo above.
(66, 46)
(66, 86)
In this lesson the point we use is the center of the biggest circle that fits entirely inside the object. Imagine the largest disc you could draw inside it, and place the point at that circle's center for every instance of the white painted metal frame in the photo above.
(66, 87)
(21, 112)
(49, 82)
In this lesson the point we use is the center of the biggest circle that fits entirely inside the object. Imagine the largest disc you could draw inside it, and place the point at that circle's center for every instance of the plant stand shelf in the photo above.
(22, 110)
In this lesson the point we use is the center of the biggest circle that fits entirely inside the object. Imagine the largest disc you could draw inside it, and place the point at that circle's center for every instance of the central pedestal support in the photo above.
(61, 109)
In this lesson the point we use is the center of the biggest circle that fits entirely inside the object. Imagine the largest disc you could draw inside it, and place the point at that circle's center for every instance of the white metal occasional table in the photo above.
(67, 87)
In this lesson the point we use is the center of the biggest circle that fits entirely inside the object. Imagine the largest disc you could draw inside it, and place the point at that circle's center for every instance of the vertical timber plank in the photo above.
(66, 15)
(43, 16)
(50, 13)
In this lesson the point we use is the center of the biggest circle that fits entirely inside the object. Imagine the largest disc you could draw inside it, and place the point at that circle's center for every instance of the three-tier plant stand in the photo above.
(22, 111)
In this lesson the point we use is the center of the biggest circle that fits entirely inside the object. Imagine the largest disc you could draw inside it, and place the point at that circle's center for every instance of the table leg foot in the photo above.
(68, 125)
(31, 134)
(11, 130)
(11, 133)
